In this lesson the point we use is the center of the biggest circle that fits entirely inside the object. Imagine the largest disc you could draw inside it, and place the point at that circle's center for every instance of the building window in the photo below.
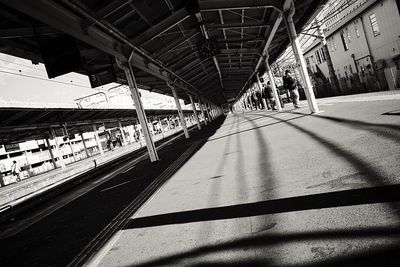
(374, 24)
(333, 45)
(318, 57)
(308, 61)
(322, 54)
(344, 40)
(347, 35)
(356, 29)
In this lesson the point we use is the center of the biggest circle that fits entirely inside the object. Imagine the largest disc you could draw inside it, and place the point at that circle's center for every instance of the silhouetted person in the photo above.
(290, 83)
(270, 95)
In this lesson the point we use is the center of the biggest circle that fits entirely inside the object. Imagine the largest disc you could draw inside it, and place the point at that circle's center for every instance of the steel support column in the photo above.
(202, 112)
(51, 153)
(261, 91)
(140, 110)
(179, 108)
(312, 103)
(195, 112)
(122, 132)
(97, 138)
(84, 144)
(272, 82)
(60, 156)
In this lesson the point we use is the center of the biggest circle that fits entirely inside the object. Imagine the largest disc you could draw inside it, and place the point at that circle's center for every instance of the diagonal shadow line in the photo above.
(369, 195)
(372, 174)
(353, 123)
(270, 239)
(213, 194)
(258, 127)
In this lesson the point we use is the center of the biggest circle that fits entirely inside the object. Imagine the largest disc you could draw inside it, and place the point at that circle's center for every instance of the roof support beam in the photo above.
(161, 27)
(100, 35)
(209, 77)
(240, 51)
(216, 26)
(27, 31)
(175, 43)
(214, 5)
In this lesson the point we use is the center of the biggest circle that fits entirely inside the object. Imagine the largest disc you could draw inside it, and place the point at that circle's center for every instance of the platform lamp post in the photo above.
(139, 108)
(288, 17)
(179, 108)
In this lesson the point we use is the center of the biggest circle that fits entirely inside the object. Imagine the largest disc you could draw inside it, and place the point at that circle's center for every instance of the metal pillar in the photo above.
(51, 153)
(312, 103)
(168, 123)
(72, 149)
(195, 112)
(202, 111)
(122, 132)
(180, 113)
(272, 83)
(60, 156)
(261, 91)
(140, 110)
(97, 138)
(84, 144)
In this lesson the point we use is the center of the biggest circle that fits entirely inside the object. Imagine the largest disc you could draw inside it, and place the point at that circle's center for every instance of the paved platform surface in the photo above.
(279, 189)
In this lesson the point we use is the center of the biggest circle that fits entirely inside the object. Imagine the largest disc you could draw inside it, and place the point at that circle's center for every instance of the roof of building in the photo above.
(20, 124)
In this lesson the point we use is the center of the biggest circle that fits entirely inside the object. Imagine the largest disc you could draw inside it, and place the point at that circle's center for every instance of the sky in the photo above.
(25, 84)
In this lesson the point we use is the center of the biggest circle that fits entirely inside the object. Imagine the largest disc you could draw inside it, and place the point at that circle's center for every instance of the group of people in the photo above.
(255, 100)
(290, 83)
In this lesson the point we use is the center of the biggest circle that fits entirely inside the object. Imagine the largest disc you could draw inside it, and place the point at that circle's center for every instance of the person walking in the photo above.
(16, 171)
(290, 83)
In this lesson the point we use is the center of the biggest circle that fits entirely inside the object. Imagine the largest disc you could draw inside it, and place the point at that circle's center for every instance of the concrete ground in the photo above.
(279, 189)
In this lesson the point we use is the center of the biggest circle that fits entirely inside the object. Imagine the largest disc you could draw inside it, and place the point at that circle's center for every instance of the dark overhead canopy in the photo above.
(163, 34)
(20, 124)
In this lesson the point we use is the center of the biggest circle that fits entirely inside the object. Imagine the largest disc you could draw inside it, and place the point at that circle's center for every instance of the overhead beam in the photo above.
(208, 78)
(240, 40)
(217, 26)
(240, 51)
(215, 5)
(98, 35)
(175, 43)
(27, 31)
(161, 27)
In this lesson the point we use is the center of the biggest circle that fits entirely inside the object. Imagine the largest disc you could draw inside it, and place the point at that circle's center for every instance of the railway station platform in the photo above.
(279, 189)
(17, 193)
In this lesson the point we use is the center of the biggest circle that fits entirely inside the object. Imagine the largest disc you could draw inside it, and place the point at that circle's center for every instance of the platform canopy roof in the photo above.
(21, 124)
(163, 35)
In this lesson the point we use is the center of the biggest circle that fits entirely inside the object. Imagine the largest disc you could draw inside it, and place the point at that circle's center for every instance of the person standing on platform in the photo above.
(16, 171)
(290, 83)
(259, 100)
(270, 95)
(2, 184)
(265, 96)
